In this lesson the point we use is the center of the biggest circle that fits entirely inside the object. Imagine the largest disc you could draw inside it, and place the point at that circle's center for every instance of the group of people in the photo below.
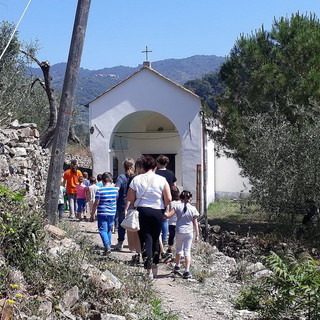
(148, 186)
(79, 191)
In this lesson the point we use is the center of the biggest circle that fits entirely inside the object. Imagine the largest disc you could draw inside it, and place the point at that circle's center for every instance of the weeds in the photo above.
(21, 229)
(250, 299)
(202, 275)
(25, 247)
(291, 292)
(159, 314)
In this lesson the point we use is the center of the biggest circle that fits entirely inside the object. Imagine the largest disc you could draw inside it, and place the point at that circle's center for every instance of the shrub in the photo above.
(291, 292)
(250, 299)
(21, 229)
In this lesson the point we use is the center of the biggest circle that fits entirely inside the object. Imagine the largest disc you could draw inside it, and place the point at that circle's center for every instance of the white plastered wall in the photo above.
(147, 91)
(228, 181)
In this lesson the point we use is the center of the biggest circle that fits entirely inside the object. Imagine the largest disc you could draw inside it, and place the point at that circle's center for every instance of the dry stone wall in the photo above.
(84, 162)
(23, 163)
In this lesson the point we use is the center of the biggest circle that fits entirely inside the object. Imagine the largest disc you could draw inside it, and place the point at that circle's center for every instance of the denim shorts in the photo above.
(81, 204)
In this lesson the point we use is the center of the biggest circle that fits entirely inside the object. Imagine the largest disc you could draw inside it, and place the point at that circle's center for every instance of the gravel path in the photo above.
(209, 297)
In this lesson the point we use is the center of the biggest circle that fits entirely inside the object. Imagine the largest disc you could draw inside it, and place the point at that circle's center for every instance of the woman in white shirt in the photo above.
(150, 193)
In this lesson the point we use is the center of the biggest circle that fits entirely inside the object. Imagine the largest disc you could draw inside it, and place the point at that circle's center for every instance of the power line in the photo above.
(15, 29)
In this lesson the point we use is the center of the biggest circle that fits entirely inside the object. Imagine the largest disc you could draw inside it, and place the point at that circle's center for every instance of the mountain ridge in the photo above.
(92, 83)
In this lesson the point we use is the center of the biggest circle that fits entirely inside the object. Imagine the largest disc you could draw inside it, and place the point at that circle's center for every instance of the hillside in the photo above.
(92, 83)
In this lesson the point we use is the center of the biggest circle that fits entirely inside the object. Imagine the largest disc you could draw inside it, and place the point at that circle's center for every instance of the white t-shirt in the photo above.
(92, 192)
(173, 220)
(152, 197)
(184, 219)
(61, 195)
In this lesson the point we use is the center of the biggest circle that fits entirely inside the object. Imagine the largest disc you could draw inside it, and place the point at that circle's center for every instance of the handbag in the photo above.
(131, 221)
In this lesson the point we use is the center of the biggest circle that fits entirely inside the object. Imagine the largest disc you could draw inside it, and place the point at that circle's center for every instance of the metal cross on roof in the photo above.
(146, 52)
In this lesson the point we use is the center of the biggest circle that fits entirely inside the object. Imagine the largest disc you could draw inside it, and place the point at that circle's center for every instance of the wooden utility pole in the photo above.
(204, 173)
(65, 110)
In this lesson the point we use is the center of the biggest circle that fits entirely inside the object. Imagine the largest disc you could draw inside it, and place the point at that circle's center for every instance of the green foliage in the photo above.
(25, 247)
(19, 96)
(159, 314)
(291, 292)
(269, 113)
(20, 229)
(282, 164)
(207, 88)
(250, 299)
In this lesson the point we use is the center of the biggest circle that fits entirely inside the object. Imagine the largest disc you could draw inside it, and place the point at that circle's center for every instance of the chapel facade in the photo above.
(147, 113)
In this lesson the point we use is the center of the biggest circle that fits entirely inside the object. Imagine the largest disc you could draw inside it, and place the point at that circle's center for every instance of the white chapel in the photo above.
(148, 113)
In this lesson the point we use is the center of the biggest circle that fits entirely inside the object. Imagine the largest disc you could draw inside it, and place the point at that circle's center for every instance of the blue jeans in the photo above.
(164, 231)
(121, 231)
(105, 223)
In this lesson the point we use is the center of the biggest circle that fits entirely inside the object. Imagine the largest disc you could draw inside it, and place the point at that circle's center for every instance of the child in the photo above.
(187, 222)
(61, 203)
(172, 223)
(106, 206)
(86, 178)
(81, 198)
(99, 181)
(91, 195)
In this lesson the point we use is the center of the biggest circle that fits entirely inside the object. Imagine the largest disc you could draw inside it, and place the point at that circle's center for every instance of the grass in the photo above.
(245, 218)
(235, 210)
(241, 216)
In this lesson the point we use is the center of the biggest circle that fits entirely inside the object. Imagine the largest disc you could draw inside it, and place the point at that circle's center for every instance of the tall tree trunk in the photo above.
(47, 136)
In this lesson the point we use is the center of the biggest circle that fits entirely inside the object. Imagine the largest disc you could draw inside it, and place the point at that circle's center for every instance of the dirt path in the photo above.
(189, 299)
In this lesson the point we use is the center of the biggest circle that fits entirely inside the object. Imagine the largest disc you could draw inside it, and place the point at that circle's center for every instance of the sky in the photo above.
(119, 30)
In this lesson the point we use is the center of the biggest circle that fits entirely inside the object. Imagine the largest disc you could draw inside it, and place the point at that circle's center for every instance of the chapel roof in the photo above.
(145, 67)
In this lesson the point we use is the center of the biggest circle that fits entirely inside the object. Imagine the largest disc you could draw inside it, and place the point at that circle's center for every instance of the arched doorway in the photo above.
(145, 132)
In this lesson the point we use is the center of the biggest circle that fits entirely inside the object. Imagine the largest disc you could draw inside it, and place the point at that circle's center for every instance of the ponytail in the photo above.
(185, 196)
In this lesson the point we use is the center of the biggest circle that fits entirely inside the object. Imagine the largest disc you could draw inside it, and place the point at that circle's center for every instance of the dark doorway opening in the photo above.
(172, 159)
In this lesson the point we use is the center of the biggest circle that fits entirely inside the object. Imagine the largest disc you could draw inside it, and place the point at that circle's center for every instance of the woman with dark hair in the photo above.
(106, 205)
(162, 162)
(150, 193)
(122, 184)
(133, 236)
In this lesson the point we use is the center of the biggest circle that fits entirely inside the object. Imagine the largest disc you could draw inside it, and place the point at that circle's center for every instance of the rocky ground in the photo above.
(210, 294)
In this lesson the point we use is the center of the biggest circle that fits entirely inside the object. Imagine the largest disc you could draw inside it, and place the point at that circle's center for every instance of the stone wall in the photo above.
(23, 163)
(84, 162)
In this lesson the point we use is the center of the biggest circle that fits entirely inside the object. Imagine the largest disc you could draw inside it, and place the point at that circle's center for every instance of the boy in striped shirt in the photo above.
(106, 205)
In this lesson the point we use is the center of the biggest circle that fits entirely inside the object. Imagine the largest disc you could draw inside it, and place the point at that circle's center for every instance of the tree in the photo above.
(268, 115)
(207, 88)
(19, 99)
(23, 96)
